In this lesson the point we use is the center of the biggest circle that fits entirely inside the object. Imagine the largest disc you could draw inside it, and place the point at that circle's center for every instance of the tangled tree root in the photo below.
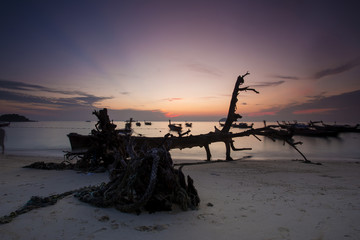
(146, 183)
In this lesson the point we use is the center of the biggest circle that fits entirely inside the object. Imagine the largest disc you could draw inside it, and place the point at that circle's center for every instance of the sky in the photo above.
(179, 60)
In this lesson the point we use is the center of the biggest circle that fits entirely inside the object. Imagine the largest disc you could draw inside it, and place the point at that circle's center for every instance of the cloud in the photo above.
(259, 114)
(202, 68)
(209, 97)
(172, 99)
(286, 77)
(21, 86)
(84, 100)
(337, 70)
(13, 85)
(124, 93)
(340, 108)
(20, 97)
(268, 84)
(138, 115)
(32, 91)
(313, 111)
(24, 94)
(171, 115)
(317, 97)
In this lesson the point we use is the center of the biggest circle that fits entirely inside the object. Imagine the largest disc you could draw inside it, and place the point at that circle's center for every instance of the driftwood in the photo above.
(149, 182)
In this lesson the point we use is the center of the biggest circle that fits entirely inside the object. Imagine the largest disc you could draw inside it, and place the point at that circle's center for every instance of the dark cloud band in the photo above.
(337, 70)
(29, 93)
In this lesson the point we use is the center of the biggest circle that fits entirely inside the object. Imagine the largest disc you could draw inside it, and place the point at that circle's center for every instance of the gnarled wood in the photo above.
(232, 115)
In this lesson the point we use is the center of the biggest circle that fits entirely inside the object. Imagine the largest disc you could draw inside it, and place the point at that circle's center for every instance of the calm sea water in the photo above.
(49, 139)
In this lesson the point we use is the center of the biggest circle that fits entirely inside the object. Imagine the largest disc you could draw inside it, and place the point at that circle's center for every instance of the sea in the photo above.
(49, 138)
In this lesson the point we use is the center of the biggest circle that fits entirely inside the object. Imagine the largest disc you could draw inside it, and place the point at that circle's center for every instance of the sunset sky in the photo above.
(155, 60)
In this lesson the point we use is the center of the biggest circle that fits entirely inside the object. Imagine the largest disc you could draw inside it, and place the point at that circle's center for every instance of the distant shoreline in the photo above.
(14, 118)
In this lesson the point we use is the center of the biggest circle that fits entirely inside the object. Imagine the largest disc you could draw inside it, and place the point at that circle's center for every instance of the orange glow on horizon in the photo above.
(171, 115)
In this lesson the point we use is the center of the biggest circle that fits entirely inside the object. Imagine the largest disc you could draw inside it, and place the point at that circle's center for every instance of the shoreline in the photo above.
(244, 199)
(58, 155)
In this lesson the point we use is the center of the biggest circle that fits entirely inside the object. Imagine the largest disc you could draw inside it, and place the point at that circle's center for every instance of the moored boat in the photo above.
(242, 125)
(238, 125)
(187, 124)
(309, 130)
(175, 126)
(79, 142)
(342, 128)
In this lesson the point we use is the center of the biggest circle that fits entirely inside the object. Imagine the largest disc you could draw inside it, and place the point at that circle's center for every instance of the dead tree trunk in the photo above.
(232, 115)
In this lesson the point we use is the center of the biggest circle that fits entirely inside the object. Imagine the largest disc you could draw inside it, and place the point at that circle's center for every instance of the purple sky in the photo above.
(153, 60)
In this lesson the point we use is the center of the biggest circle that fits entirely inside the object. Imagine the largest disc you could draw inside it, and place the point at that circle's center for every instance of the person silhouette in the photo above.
(2, 139)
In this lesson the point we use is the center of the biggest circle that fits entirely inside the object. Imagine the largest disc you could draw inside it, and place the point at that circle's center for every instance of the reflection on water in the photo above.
(49, 138)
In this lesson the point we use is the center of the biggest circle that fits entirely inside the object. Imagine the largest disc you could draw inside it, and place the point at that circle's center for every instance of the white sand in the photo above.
(251, 200)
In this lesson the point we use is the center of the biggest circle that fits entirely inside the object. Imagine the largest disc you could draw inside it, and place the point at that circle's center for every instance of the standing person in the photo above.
(2, 139)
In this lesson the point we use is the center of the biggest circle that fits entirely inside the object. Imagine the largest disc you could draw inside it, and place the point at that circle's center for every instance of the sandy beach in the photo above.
(242, 199)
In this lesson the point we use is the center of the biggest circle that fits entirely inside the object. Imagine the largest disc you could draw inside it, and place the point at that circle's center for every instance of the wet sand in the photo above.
(239, 200)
